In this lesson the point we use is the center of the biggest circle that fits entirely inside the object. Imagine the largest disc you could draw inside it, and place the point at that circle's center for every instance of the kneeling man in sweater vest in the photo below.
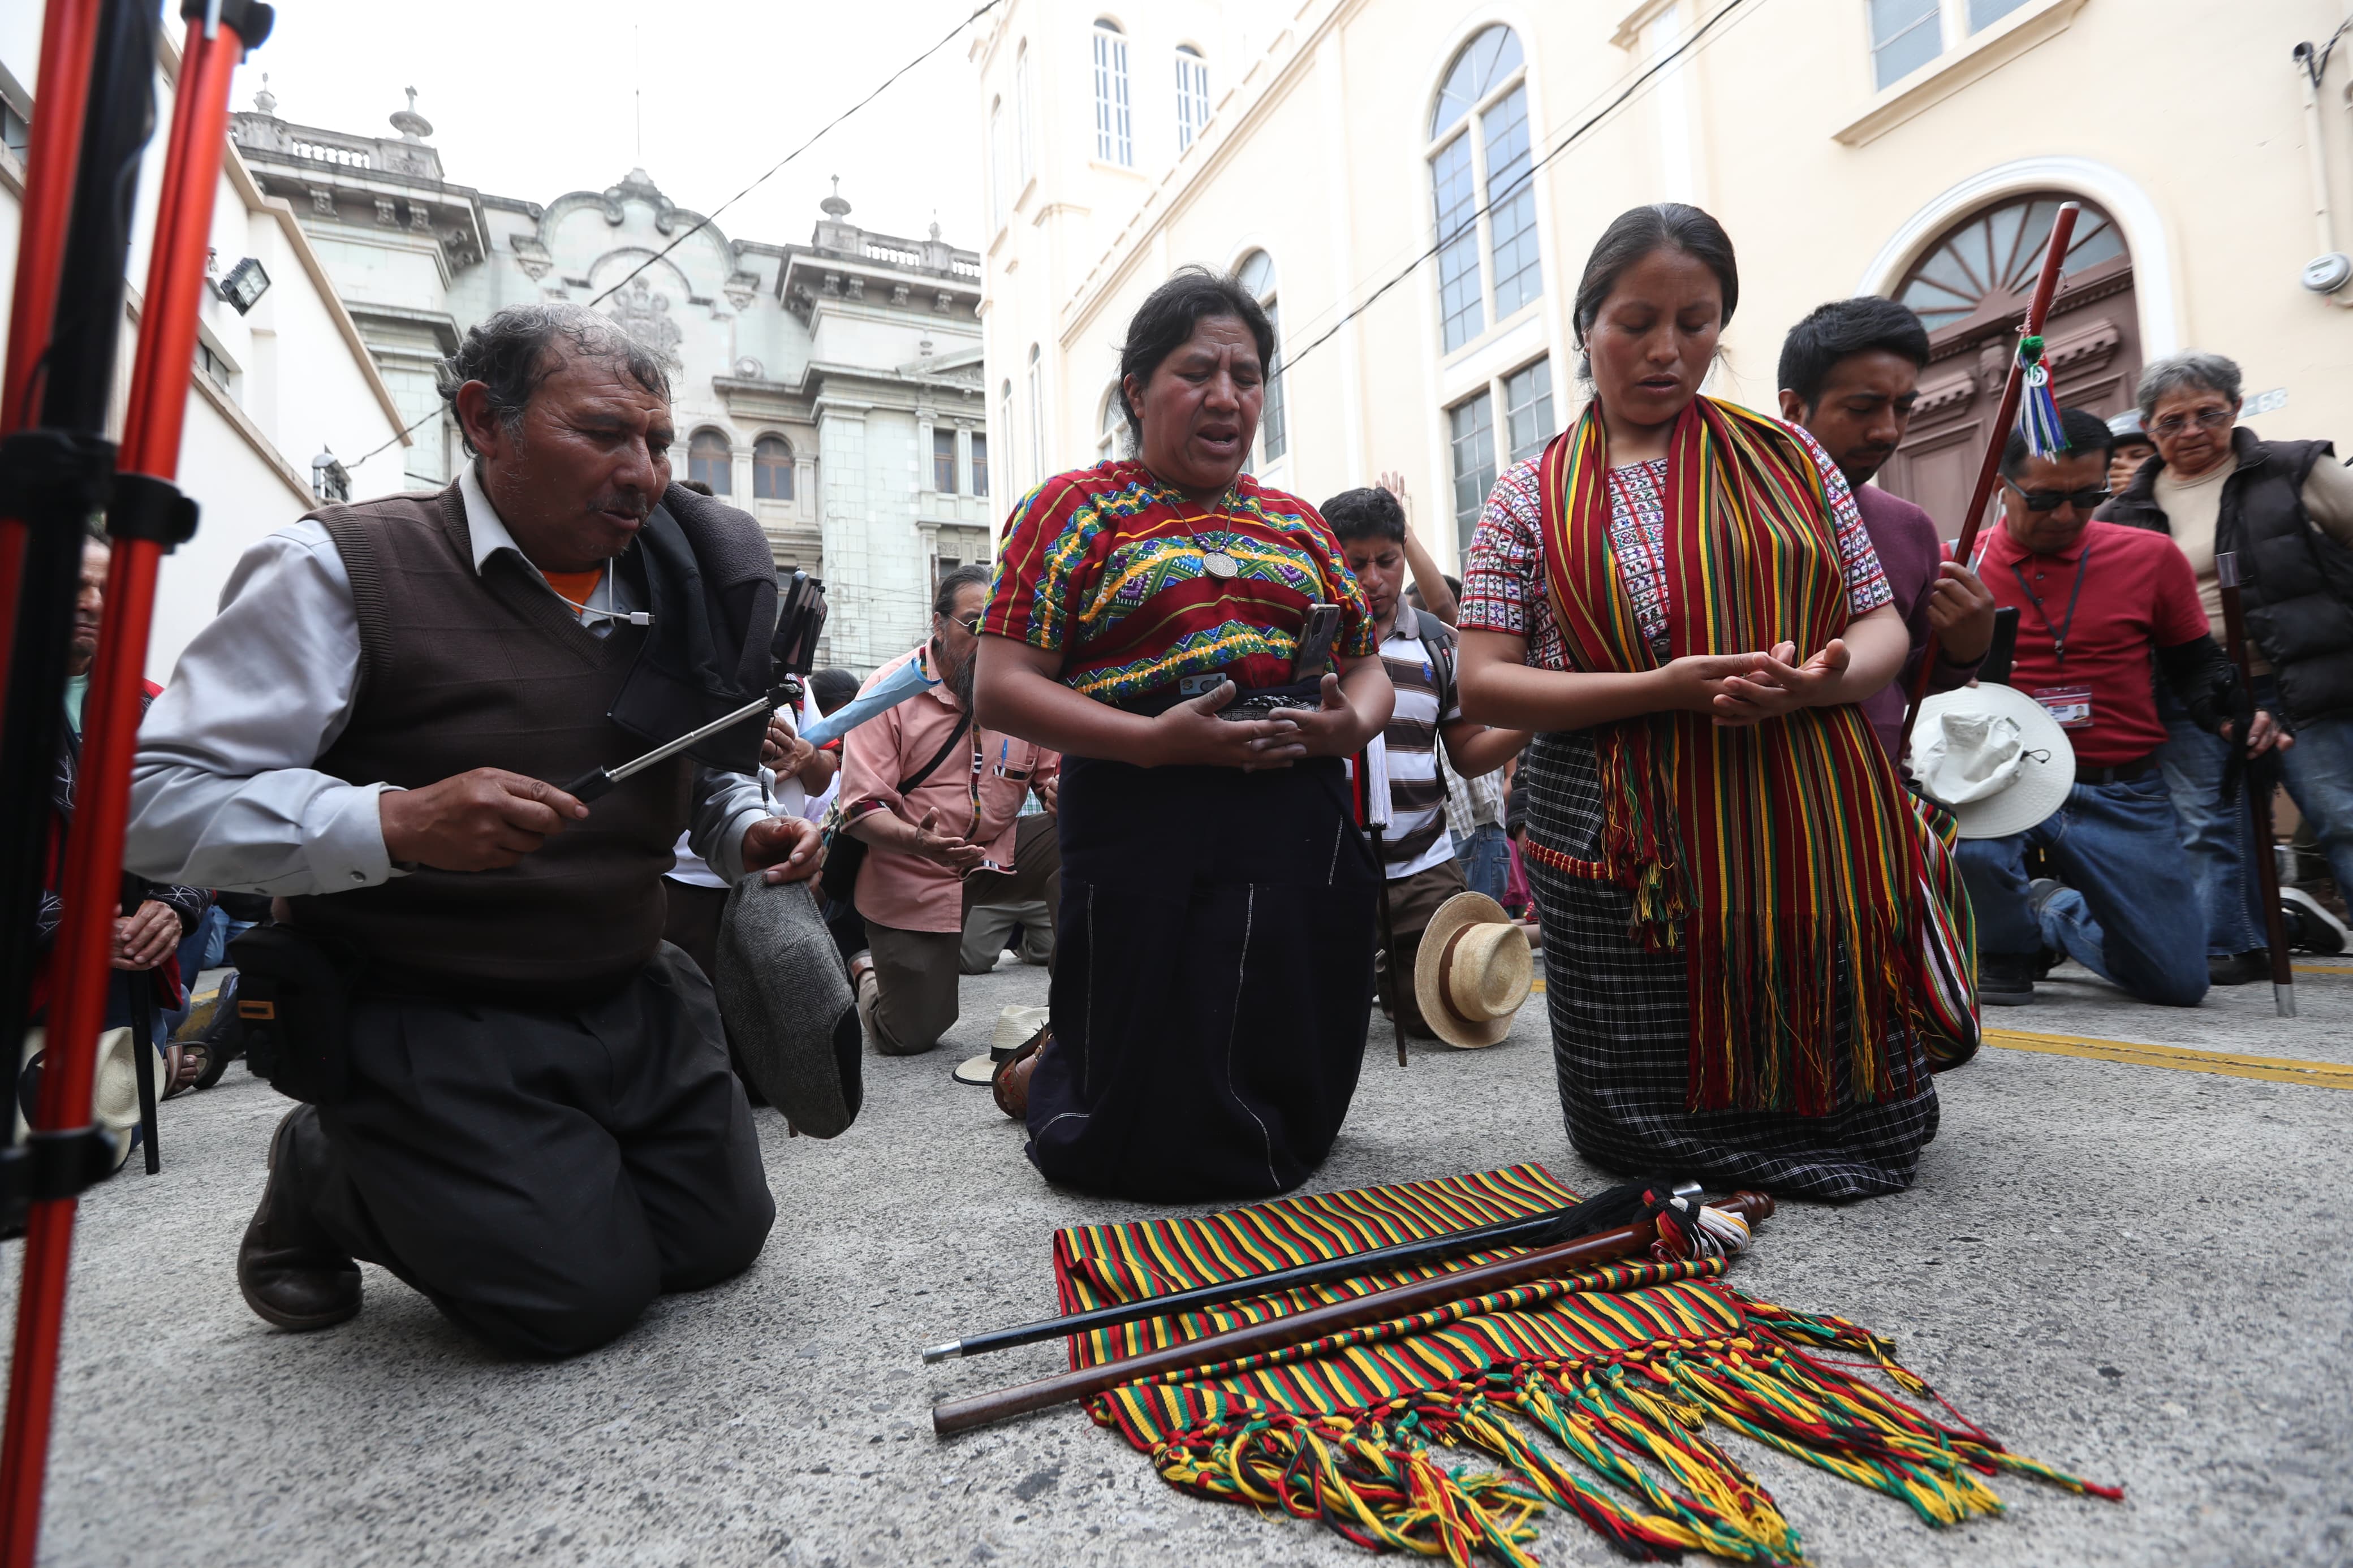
(539, 1129)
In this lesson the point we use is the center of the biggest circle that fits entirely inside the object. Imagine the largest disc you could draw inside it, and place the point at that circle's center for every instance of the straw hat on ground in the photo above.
(1473, 970)
(1016, 1027)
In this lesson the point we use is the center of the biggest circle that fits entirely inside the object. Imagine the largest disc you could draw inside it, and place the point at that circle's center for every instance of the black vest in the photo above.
(2296, 582)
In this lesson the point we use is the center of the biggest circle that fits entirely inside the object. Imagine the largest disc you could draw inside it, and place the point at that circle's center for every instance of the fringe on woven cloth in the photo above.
(1568, 1430)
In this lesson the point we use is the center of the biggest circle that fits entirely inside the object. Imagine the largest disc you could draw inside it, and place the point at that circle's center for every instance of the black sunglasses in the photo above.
(2052, 500)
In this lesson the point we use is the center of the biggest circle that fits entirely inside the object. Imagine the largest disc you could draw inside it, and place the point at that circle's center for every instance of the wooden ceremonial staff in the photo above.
(1568, 1222)
(956, 1416)
(2062, 231)
(2259, 799)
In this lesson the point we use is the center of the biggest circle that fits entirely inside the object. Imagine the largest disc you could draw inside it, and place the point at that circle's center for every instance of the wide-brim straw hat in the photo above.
(1964, 740)
(1473, 970)
(790, 1012)
(1016, 1027)
(114, 1086)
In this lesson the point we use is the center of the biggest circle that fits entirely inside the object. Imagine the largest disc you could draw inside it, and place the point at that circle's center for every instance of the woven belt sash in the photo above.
(1594, 1393)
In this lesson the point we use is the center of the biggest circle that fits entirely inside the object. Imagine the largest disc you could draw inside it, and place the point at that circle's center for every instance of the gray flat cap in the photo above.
(788, 1005)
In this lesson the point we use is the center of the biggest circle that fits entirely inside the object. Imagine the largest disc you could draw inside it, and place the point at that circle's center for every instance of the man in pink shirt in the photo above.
(938, 801)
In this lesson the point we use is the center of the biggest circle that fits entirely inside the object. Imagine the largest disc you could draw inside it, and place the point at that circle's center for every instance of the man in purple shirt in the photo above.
(1850, 375)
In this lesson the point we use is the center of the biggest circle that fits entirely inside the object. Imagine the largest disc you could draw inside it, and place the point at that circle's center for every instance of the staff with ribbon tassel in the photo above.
(1404, 1300)
(2260, 775)
(2030, 380)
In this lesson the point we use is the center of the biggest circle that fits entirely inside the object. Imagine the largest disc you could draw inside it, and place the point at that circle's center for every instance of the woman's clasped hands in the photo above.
(1738, 690)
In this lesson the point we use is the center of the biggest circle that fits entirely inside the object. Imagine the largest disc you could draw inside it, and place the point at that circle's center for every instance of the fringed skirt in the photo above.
(1212, 985)
(1621, 1035)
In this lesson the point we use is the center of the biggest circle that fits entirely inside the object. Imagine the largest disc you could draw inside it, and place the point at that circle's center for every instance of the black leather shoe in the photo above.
(2005, 980)
(2239, 968)
(286, 1276)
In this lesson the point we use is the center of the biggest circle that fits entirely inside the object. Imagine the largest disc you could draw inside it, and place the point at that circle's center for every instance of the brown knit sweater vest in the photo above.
(461, 670)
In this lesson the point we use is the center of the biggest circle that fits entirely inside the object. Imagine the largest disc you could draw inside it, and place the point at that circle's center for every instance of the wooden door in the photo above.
(1971, 288)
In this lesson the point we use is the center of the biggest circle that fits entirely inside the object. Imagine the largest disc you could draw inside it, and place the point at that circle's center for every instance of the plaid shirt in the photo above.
(1471, 804)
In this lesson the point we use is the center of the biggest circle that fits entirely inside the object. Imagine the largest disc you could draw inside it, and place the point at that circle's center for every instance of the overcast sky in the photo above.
(532, 99)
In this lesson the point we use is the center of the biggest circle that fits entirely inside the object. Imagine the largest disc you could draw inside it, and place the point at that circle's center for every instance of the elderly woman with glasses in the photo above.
(2285, 510)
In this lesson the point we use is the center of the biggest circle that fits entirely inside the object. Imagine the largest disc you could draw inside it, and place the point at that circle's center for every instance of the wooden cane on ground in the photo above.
(2038, 309)
(956, 1416)
(1374, 822)
(2259, 797)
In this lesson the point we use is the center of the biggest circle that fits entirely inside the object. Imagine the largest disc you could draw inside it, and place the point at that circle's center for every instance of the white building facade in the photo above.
(1414, 190)
(270, 384)
(831, 389)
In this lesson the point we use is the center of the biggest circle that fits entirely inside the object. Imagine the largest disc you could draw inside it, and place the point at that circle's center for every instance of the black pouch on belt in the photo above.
(294, 1004)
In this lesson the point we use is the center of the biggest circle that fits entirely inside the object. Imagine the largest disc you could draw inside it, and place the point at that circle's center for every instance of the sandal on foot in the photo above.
(184, 1062)
(1009, 1085)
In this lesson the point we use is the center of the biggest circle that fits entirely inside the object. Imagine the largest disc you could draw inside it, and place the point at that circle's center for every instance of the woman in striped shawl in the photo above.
(1681, 597)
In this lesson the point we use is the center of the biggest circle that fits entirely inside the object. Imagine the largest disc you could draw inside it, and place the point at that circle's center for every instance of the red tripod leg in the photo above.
(147, 516)
(69, 36)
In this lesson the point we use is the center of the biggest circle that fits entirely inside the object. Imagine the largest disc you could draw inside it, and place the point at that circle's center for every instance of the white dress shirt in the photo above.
(224, 793)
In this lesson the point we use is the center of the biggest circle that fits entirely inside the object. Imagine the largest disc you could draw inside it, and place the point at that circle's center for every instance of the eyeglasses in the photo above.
(971, 627)
(2205, 419)
(2052, 500)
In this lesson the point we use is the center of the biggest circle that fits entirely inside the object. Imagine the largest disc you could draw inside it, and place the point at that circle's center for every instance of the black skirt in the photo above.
(1213, 983)
(1622, 1036)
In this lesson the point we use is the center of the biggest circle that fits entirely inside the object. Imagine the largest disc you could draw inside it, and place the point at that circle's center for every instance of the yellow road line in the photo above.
(2228, 1064)
(2181, 1059)
(2324, 968)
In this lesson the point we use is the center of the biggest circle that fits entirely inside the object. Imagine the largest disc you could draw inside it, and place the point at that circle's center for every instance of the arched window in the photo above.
(1025, 113)
(1114, 135)
(1112, 426)
(1985, 267)
(1000, 199)
(1192, 94)
(1480, 156)
(771, 469)
(1257, 274)
(709, 460)
(1969, 284)
(1037, 418)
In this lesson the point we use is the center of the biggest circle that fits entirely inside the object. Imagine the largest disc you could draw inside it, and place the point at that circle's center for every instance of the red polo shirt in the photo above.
(2137, 595)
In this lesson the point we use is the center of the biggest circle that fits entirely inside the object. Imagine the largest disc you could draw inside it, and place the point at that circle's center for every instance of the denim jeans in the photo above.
(2217, 837)
(2129, 909)
(2318, 773)
(1486, 859)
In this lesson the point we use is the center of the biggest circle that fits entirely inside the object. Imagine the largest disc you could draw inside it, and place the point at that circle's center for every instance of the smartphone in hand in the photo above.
(1316, 634)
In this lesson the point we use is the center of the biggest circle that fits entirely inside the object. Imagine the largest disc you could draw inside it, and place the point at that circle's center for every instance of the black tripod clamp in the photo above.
(49, 476)
(47, 1166)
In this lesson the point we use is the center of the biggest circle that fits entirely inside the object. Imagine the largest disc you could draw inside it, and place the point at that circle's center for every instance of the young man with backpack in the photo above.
(1419, 650)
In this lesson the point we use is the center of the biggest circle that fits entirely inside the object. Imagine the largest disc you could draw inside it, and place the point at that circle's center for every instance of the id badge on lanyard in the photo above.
(2070, 706)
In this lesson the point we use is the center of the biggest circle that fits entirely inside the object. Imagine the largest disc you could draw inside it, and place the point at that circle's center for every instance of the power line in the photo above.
(987, 6)
(1526, 180)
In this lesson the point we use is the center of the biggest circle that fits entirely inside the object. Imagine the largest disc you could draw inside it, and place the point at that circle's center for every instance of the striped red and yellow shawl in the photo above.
(1782, 858)
(1603, 1396)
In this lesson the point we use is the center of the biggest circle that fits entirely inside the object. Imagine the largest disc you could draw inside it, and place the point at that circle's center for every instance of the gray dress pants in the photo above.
(541, 1173)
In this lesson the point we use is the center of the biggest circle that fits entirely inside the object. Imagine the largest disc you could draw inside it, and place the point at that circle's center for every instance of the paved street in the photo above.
(2131, 1271)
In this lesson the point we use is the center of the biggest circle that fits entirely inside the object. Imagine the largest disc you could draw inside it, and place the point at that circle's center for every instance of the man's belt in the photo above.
(2122, 772)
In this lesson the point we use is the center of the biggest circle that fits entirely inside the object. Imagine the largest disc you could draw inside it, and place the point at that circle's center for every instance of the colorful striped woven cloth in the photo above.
(1593, 1392)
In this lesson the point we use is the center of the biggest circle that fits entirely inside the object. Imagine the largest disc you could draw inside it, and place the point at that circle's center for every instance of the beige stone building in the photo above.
(1413, 187)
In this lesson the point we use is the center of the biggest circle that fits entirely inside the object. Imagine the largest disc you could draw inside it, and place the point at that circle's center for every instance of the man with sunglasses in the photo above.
(938, 801)
(2095, 601)
(2286, 509)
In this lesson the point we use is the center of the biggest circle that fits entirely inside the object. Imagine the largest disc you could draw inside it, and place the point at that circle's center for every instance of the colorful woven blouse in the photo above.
(1503, 574)
(1106, 565)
